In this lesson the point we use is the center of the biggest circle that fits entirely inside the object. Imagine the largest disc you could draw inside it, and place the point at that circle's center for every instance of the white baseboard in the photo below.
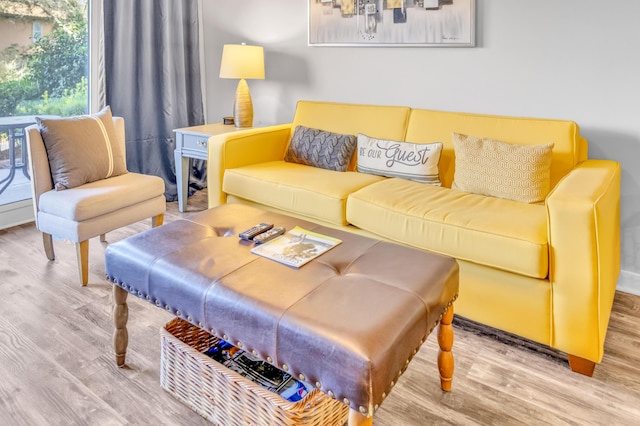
(16, 213)
(629, 282)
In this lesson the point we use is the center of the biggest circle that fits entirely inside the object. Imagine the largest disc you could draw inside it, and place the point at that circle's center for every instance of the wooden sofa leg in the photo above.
(82, 248)
(157, 220)
(47, 240)
(581, 365)
(103, 238)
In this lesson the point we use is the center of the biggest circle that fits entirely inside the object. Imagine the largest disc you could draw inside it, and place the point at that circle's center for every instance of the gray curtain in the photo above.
(152, 79)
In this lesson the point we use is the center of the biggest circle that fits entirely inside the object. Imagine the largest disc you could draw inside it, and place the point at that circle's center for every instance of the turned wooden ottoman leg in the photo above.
(445, 356)
(357, 419)
(120, 317)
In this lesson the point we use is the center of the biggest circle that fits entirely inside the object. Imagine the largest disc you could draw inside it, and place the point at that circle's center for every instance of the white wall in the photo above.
(566, 59)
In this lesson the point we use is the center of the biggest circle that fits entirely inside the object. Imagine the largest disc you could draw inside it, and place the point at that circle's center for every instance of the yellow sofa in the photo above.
(546, 271)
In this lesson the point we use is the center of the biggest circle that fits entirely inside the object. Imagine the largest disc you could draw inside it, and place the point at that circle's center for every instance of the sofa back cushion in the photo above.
(383, 122)
(569, 147)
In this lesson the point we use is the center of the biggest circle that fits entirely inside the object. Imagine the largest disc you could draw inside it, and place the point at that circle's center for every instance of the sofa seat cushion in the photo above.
(309, 191)
(90, 200)
(499, 233)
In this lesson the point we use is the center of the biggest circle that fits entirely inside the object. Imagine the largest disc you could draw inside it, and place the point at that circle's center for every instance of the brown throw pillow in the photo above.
(503, 170)
(82, 149)
(319, 148)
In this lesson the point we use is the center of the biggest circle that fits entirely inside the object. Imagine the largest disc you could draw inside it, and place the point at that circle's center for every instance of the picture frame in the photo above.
(393, 23)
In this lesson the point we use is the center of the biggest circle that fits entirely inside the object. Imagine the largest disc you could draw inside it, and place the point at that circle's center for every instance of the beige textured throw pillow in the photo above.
(500, 169)
(406, 160)
(82, 149)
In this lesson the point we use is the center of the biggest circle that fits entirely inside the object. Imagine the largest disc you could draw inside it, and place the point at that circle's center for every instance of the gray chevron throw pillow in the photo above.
(319, 148)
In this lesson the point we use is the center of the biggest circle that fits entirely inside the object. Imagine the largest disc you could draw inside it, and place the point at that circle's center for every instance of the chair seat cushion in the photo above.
(305, 190)
(101, 197)
(494, 232)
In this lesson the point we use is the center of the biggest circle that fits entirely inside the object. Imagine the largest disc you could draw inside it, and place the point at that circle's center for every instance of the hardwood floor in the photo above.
(57, 367)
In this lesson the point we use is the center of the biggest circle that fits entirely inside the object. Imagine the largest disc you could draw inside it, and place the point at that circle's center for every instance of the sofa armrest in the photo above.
(237, 149)
(584, 243)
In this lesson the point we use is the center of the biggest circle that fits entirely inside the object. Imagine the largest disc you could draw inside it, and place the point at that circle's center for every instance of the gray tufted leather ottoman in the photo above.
(349, 321)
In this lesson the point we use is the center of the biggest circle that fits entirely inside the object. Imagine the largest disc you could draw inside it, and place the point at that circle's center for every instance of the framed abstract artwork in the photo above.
(392, 23)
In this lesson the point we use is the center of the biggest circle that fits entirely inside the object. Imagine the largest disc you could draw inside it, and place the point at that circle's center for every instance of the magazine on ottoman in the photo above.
(296, 247)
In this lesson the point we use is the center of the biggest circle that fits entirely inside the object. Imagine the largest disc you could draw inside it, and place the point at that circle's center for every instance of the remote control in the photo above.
(255, 230)
(268, 235)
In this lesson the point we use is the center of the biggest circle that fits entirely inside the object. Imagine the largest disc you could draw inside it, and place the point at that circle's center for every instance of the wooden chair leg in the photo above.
(581, 365)
(82, 248)
(47, 240)
(445, 356)
(157, 220)
(103, 238)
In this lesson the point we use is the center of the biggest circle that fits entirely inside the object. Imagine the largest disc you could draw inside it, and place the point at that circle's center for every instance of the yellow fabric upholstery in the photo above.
(310, 191)
(456, 224)
(584, 232)
(430, 126)
(381, 122)
(544, 271)
(511, 302)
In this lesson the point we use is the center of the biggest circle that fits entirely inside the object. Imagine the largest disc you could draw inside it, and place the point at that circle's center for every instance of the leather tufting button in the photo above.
(178, 313)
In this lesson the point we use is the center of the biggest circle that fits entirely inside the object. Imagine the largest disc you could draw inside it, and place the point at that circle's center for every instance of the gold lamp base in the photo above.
(242, 105)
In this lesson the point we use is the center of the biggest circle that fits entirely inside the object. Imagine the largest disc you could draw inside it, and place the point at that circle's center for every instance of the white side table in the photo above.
(193, 142)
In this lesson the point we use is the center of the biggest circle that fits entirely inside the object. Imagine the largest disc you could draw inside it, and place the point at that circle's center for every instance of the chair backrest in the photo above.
(39, 170)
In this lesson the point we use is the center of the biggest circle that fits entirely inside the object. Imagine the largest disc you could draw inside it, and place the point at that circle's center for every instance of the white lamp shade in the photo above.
(242, 61)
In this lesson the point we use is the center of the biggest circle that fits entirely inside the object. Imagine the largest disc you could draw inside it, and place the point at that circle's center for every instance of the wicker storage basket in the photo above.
(223, 396)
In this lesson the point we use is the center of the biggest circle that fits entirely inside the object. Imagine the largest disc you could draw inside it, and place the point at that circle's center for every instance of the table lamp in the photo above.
(242, 61)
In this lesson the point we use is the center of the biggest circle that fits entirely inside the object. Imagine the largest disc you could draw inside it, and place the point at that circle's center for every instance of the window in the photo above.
(37, 31)
(44, 73)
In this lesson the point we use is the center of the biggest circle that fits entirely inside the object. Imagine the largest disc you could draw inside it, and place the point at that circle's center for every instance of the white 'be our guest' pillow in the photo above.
(406, 160)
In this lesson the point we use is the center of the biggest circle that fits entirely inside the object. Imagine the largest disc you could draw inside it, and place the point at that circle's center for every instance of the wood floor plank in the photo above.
(57, 366)
(39, 390)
